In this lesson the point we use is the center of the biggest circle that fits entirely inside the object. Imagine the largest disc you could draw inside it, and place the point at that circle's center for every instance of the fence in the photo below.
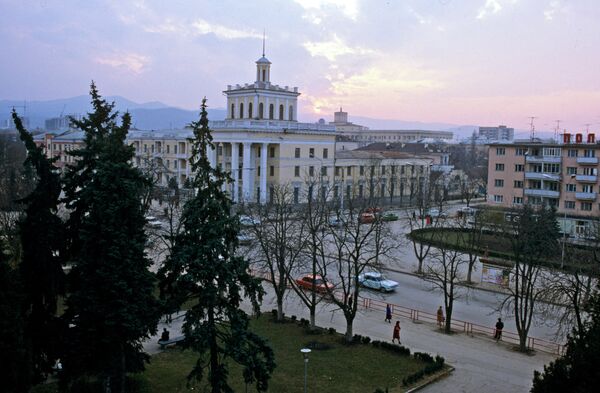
(457, 325)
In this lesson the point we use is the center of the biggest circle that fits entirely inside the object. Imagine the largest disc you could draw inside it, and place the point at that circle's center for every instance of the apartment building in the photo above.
(563, 175)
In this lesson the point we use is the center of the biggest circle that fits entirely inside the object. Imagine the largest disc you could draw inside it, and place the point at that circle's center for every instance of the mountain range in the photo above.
(155, 115)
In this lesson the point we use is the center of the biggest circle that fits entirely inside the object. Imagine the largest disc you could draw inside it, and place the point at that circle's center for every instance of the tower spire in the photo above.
(263, 43)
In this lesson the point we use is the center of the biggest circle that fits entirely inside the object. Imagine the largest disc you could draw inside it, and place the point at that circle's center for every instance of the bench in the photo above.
(174, 340)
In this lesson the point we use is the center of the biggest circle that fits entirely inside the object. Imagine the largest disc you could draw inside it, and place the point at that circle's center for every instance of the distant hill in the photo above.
(148, 115)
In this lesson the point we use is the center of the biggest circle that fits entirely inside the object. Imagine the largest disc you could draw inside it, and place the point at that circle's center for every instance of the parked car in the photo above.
(366, 218)
(436, 213)
(336, 222)
(389, 217)
(153, 222)
(245, 238)
(374, 210)
(247, 221)
(321, 286)
(375, 280)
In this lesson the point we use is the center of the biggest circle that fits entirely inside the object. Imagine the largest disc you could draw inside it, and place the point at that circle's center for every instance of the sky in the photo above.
(481, 62)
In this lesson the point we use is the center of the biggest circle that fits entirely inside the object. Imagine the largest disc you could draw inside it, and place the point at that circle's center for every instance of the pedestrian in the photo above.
(499, 327)
(440, 317)
(388, 313)
(414, 215)
(165, 335)
(396, 334)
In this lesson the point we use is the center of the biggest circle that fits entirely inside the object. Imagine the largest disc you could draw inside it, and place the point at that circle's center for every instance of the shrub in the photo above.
(294, 318)
(366, 340)
(357, 338)
(432, 367)
(331, 330)
(379, 390)
(427, 358)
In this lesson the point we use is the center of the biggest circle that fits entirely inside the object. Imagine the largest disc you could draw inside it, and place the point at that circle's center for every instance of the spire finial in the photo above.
(263, 43)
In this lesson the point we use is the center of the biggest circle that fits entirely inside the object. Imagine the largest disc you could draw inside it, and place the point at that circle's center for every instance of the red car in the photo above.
(366, 218)
(306, 282)
(374, 210)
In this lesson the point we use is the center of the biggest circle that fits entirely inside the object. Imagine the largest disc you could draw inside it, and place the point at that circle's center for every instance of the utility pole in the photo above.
(532, 127)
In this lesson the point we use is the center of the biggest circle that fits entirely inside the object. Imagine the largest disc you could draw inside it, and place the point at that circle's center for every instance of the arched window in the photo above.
(232, 111)
(264, 72)
(271, 110)
(261, 111)
(291, 116)
(241, 110)
(280, 112)
(250, 110)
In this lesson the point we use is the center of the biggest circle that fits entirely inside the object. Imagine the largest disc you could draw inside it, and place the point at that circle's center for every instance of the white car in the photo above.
(375, 280)
(436, 213)
(247, 221)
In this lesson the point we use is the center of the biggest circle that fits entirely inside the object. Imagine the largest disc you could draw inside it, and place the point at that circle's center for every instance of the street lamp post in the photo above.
(305, 352)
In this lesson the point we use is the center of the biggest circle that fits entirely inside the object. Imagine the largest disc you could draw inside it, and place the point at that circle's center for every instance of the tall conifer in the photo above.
(204, 269)
(111, 307)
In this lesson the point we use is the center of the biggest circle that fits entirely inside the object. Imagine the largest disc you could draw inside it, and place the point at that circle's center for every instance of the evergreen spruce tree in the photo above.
(576, 371)
(204, 269)
(14, 371)
(111, 307)
(41, 273)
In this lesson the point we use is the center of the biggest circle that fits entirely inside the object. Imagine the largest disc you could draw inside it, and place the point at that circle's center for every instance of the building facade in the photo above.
(563, 175)
(500, 133)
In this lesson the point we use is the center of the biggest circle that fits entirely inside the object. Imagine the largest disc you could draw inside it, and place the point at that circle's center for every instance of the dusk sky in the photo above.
(485, 62)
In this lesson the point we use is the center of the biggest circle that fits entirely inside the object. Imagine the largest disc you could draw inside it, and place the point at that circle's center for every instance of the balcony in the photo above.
(586, 178)
(587, 160)
(585, 196)
(542, 159)
(542, 176)
(542, 193)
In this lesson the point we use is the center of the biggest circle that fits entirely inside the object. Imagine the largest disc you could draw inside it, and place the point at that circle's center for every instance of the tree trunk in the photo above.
(214, 375)
(312, 310)
(349, 333)
(279, 309)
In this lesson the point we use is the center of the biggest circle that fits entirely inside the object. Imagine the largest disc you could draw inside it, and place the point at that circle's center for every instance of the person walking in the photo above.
(396, 334)
(440, 317)
(499, 327)
(388, 313)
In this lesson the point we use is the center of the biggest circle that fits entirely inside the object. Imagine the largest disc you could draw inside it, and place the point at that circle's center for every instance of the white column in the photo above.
(235, 167)
(276, 109)
(263, 173)
(286, 110)
(246, 172)
(266, 109)
(251, 186)
(255, 107)
(245, 114)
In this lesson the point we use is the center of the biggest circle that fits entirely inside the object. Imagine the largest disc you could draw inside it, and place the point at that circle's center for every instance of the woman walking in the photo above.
(440, 317)
(396, 334)
(388, 313)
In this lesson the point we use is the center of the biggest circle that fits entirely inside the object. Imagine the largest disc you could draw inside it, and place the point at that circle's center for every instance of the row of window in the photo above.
(261, 111)
(585, 206)
(546, 152)
(176, 148)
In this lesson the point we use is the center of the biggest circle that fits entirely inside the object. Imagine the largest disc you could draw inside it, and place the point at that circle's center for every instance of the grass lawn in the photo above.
(342, 368)
(356, 368)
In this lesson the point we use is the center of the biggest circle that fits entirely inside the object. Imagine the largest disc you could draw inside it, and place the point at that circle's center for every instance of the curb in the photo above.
(441, 375)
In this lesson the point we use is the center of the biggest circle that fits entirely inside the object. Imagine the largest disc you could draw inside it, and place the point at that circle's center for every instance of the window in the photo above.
(572, 153)
(338, 170)
(258, 171)
(272, 152)
(280, 112)
(518, 200)
(498, 198)
(571, 170)
(520, 151)
(311, 152)
(168, 148)
(250, 110)
(552, 168)
(586, 206)
(261, 111)
(571, 187)
(588, 188)
(232, 111)
(500, 151)
(589, 153)
(311, 171)
(174, 164)
(349, 171)
(271, 112)
(360, 190)
(310, 193)
(518, 184)
(297, 171)
(551, 151)
(175, 149)
(323, 171)
(271, 170)
(297, 152)
(361, 170)
(569, 204)
(499, 167)
(145, 148)
(291, 114)
(241, 110)
(519, 167)
(499, 183)
(383, 169)
(325, 153)
(296, 194)
(168, 164)
(590, 171)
